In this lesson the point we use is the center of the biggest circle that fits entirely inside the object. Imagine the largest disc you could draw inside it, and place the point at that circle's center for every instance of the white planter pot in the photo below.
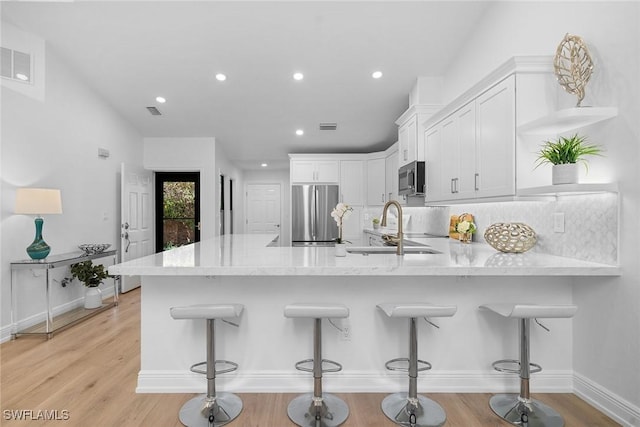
(341, 249)
(564, 174)
(92, 298)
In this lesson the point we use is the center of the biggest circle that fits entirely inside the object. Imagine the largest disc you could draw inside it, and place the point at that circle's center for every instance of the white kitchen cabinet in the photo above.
(435, 190)
(372, 239)
(352, 181)
(470, 153)
(411, 133)
(391, 180)
(376, 185)
(495, 140)
(327, 171)
(352, 226)
(408, 140)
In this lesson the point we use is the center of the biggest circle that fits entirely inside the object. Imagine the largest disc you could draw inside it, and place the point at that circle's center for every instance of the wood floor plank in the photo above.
(90, 370)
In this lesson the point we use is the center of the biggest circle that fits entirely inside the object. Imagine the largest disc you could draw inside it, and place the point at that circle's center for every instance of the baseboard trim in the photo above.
(184, 381)
(619, 409)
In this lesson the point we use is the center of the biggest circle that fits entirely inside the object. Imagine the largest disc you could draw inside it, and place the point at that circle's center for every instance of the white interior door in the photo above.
(136, 219)
(263, 208)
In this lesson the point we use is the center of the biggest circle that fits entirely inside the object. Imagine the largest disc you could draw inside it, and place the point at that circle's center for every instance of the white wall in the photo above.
(606, 338)
(53, 142)
(225, 167)
(278, 176)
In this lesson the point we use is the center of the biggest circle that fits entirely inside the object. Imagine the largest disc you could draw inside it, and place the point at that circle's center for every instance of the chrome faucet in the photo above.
(400, 237)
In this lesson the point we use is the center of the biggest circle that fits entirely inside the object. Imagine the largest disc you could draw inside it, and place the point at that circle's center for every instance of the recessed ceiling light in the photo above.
(160, 99)
(376, 74)
(221, 77)
(298, 76)
(264, 165)
(299, 132)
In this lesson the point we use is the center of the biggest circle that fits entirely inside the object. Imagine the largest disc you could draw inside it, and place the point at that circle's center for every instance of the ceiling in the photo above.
(132, 52)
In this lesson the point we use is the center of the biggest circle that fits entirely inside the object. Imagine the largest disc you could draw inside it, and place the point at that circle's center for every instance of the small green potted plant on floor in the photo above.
(564, 154)
(91, 275)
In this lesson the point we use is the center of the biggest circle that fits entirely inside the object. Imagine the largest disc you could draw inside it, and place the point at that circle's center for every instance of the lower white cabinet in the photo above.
(373, 239)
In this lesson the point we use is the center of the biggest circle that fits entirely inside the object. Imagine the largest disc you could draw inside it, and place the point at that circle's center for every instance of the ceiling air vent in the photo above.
(328, 126)
(154, 111)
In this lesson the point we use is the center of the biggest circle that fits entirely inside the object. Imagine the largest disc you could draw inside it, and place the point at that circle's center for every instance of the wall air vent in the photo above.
(328, 126)
(154, 111)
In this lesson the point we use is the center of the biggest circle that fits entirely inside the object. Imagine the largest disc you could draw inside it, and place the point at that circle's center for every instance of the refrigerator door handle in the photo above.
(314, 212)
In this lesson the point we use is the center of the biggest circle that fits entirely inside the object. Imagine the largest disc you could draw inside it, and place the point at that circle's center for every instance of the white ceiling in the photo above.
(131, 52)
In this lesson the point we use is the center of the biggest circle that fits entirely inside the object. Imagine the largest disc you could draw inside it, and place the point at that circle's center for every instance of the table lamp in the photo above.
(38, 201)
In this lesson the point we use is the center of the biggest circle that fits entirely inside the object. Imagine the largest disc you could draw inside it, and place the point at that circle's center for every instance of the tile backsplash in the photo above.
(590, 223)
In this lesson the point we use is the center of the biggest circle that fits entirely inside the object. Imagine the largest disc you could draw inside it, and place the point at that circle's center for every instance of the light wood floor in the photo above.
(90, 371)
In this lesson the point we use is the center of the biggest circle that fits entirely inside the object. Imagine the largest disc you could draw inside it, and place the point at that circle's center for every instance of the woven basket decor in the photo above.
(513, 237)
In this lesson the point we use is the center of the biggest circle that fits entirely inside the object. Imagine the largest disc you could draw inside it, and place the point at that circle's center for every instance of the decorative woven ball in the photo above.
(512, 237)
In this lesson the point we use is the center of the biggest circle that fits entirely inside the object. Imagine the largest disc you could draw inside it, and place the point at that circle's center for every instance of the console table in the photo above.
(53, 323)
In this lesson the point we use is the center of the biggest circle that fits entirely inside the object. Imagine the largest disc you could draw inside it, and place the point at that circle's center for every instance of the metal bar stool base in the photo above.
(426, 413)
(531, 413)
(302, 411)
(226, 408)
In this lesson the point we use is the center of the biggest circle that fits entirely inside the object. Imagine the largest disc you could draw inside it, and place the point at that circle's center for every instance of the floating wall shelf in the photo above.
(568, 189)
(567, 120)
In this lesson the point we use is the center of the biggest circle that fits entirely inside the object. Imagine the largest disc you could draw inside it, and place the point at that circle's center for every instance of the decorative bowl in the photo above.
(510, 237)
(94, 248)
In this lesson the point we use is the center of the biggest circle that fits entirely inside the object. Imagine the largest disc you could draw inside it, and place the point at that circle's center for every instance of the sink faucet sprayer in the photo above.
(400, 237)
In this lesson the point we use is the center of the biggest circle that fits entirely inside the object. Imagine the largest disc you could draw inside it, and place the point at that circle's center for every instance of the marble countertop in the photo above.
(248, 255)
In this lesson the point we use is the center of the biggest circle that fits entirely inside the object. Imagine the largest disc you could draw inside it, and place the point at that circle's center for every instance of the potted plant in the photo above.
(376, 223)
(340, 213)
(564, 154)
(91, 275)
(465, 228)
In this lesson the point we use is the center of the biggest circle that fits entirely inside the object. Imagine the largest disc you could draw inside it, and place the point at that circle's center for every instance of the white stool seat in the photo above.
(316, 311)
(207, 311)
(524, 311)
(417, 310)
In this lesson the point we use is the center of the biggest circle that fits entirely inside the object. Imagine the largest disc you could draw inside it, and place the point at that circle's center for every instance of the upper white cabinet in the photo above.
(391, 172)
(376, 181)
(495, 141)
(411, 132)
(471, 146)
(325, 171)
(352, 180)
(470, 153)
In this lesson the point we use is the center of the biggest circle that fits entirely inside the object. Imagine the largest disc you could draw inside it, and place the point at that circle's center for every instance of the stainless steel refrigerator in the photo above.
(311, 207)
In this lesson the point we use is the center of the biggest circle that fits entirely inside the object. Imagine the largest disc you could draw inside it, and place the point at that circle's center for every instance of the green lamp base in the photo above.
(39, 248)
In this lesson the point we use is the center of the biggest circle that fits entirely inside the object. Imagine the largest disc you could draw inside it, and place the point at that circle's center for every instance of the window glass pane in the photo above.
(178, 232)
(6, 62)
(22, 66)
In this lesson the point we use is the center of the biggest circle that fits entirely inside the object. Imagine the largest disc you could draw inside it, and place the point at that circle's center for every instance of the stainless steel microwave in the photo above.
(411, 179)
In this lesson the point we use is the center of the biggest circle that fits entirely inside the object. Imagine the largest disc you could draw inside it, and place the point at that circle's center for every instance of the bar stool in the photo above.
(411, 409)
(522, 409)
(317, 409)
(210, 409)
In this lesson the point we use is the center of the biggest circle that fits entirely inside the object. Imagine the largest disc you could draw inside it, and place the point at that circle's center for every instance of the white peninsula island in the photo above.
(244, 269)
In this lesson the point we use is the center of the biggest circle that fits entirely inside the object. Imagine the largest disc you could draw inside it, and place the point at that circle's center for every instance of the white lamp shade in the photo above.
(38, 201)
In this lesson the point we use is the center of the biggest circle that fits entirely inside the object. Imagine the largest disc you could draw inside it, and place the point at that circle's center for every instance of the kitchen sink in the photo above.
(370, 250)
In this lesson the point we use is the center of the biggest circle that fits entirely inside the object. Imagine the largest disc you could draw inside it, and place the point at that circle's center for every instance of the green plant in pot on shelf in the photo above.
(376, 223)
(564, 154)
(91, 275)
